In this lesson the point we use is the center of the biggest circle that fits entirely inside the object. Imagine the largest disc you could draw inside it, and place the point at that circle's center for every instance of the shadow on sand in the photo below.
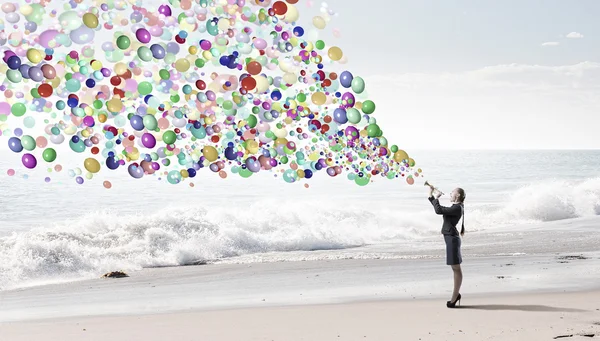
(517, 307)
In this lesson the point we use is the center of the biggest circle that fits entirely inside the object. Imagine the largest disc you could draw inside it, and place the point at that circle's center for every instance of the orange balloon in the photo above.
(254, 68)
(280, 8)
(248, 83)
(45, 90)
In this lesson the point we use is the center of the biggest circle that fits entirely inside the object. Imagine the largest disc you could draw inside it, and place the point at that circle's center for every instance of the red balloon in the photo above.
(200, 84)
(292, 1)
(248, 83)
(280, 8)
(45, 90)
(254, 68)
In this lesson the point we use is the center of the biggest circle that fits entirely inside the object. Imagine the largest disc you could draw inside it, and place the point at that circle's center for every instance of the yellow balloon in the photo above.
(290, 78)
(114, 105)
(319, 22)
(318, 98)
(34, 56)
(210, 153)
(400, 155)
(90, 20)
(92, 165)
(182, 65)
(292, 14)
(335, 53)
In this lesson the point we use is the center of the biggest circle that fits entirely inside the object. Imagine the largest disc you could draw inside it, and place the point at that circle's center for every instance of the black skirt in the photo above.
(453, 256)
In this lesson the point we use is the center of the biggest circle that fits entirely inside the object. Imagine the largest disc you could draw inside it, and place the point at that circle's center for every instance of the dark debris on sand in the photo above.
(115, 274)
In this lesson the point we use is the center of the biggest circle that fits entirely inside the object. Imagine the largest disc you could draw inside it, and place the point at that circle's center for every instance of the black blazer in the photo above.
(451, 216)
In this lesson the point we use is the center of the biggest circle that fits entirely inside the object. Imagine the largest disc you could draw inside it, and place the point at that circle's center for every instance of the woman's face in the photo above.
(454, 195)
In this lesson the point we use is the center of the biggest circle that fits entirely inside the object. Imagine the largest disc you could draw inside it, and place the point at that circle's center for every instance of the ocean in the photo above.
(61, 231)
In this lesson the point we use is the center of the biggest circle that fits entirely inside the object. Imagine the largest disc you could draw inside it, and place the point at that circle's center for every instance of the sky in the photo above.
(469, 74)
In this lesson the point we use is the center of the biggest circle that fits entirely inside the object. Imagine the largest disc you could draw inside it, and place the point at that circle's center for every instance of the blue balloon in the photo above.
(230, 154)
(13, 62)
(191, 172)
(14, 143)
(308, 173)
(339, 116)
(137, 122)
(111, 163)
(346, 79)
(158, 51)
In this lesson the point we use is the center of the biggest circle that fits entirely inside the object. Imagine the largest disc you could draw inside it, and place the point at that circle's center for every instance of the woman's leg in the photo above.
(457, 280)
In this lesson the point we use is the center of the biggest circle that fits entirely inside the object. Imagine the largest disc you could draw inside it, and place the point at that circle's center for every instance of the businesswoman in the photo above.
(452, 216)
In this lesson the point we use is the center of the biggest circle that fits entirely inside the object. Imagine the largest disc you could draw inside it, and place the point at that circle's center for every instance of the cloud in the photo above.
(574, 35)
(551, 43)
(500, 106)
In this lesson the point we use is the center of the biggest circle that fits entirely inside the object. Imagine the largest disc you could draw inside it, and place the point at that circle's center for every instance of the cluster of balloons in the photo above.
(232, 86)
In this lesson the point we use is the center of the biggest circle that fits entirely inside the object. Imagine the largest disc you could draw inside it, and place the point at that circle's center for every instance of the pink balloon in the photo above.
(46, 37)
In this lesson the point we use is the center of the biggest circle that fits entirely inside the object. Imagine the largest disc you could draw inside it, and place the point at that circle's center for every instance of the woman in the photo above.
(451, 217)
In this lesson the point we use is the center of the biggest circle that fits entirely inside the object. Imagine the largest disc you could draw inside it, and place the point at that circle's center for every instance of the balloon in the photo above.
(123, 42)
(148, 140)
(29, 161)
(49, 155)
(335, 53)
(90, 20)
(45, 90)
(92, 165)
(143, 36)
(14, 143)
(368, 107)
(358, 85)
(210, 153)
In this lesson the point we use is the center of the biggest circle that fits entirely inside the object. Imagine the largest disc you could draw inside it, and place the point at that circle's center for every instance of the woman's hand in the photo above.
(438, 195)
(430, 192)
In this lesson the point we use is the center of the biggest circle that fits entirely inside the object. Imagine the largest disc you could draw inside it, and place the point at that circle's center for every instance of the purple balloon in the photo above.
(252, 165)
(348, 99)
(346, 79)
(165, 10)
(339, 116)
(135, 171)
(351, 133)
(143, 35)
(148, 140)
(29, 161)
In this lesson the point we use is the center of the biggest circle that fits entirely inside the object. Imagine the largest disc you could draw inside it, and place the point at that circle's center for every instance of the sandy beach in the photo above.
(536, 297)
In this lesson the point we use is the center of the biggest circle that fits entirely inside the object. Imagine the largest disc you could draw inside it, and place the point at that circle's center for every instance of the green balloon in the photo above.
(49, 155)
(373, 130)
(18, 109)
(199, 133)
(358, 85)
(14, 76)
(144, 88)
(28, 142)
(353, 115)
(368, 107)
(199, 62)
(301, 97)
(169, 137)
(212, 28)
(394, 148)
(150, 122)
(123, 42)
(245, 173)
(144, 53)
(78, 147)
(320, 44)
(252, 121)
(164, 74)
(361, 181)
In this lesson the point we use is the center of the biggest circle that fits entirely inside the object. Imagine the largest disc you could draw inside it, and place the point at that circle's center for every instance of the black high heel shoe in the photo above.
(450, 304)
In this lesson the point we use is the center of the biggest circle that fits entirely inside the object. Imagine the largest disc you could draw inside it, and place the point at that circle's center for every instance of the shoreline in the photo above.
(237, 286)
(542, 316)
